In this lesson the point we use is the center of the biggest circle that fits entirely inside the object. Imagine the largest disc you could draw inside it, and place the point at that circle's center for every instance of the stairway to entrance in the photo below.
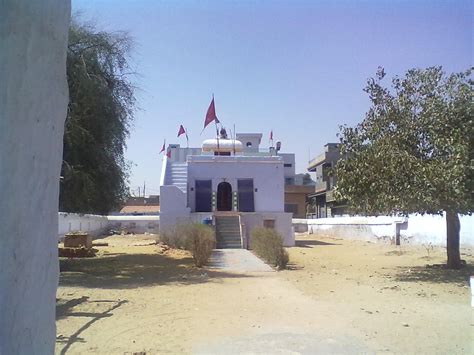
(228, 232)
(178, 175)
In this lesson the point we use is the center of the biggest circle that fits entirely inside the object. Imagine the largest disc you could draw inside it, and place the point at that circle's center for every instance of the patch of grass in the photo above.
(268, 244)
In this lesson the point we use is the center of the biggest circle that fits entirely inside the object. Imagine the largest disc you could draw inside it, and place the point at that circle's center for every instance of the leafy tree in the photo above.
(307, 179)
(101, 107)
(413, 152)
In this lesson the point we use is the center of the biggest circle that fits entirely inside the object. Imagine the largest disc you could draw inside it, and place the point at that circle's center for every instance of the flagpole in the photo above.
(217, 132)
(215, 121)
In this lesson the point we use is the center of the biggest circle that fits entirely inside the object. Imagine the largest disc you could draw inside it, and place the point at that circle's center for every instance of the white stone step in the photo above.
(179, 178)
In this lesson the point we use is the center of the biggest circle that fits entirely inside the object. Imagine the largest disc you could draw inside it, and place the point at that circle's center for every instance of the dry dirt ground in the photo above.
(338, 296)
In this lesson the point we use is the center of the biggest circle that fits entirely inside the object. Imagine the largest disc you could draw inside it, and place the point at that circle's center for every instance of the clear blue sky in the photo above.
(297, 67)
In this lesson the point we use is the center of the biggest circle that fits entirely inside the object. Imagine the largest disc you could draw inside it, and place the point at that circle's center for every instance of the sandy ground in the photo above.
(339, 296)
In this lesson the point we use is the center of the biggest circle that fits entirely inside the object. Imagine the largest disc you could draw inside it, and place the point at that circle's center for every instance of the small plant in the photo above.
(429, 248)
(268, 244)
(200, 240)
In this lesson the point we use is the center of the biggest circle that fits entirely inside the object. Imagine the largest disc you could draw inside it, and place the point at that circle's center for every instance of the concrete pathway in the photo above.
(237, 260)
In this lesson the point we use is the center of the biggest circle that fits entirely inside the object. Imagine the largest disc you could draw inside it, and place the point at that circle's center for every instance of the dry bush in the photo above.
(199, 239)
(268, 244)
(176, 237)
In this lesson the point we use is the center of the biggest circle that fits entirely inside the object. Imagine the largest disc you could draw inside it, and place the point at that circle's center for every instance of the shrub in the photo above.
(200, 241)
(176, 237)
(268, 244)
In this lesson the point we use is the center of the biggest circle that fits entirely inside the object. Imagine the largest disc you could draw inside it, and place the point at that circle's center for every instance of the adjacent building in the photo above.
(142, 206)
(322, 203)
(231, 183)
(296, 196)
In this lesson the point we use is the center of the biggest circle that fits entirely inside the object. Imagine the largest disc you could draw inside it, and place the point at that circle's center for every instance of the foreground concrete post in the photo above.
(33, 102)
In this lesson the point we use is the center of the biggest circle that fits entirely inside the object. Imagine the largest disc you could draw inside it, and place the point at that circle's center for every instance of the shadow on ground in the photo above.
(437, 273)
(135, 270)
(64, 310)
(311, 243)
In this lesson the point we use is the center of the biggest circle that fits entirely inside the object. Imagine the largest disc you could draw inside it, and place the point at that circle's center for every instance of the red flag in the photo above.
(181, 130)
(162, 148)
(211, 114)
(271, 135)
(168, 153)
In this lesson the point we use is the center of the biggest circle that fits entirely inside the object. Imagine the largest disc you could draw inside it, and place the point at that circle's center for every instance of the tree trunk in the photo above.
(452, 240)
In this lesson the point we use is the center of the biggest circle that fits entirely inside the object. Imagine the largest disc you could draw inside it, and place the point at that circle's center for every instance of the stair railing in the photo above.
(243, 236)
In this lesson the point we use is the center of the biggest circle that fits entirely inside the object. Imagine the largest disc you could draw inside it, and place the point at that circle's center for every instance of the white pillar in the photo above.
(33, 102)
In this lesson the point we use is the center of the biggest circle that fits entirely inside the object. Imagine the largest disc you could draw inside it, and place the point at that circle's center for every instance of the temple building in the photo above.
(231, 183)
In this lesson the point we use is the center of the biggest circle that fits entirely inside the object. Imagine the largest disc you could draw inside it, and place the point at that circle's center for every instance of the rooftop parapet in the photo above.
(313, 163)
(234, 158)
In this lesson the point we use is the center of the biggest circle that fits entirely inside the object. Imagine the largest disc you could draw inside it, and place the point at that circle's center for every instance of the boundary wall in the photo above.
(97, 225)
(414, 229)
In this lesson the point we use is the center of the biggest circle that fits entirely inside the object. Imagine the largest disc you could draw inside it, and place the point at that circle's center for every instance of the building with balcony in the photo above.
(230, 182)
(322, 203)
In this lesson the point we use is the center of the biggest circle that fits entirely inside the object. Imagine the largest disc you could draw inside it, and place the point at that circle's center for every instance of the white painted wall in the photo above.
(33, 101)
(415, 229)
(253, 138)
(72, 222)
(432, 229)
(164, 170)
(266, 172)
(173, 207)
(135, 224)
(97, 225)
(282, 224)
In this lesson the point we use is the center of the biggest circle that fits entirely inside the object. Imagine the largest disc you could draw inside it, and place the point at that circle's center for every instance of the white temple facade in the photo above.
(230, 183)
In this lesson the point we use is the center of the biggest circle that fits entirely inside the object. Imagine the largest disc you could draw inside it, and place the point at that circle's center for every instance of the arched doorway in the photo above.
(224, 197)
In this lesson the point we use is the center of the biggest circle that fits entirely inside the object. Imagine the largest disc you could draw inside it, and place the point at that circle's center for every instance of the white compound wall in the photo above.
(97, 225)
(414, 229)
(72, 222)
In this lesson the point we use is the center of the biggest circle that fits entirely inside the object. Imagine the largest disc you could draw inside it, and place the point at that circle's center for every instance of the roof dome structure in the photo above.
(221, 145)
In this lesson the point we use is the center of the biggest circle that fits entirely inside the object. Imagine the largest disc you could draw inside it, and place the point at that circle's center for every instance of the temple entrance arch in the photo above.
(224, 196)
